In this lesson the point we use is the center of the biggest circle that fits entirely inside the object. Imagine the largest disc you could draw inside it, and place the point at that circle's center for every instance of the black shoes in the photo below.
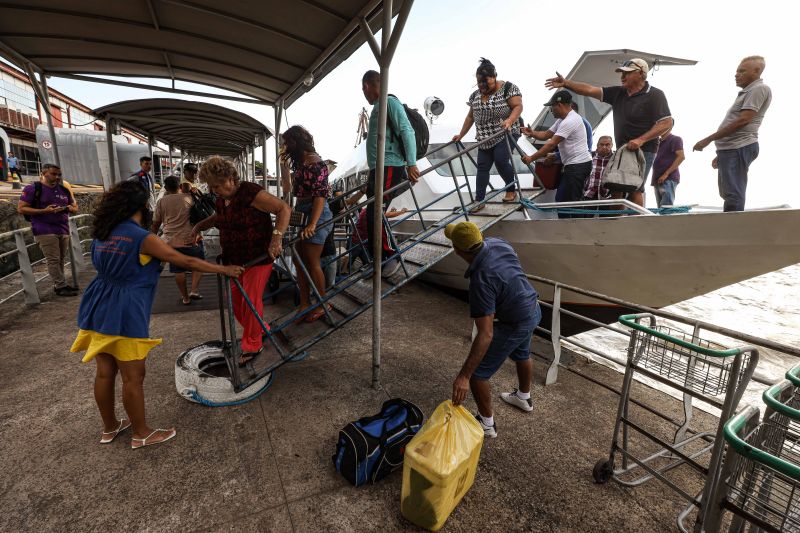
(66, 290)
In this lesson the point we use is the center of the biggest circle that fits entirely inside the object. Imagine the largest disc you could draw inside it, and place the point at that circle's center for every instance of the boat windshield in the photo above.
(444, 170)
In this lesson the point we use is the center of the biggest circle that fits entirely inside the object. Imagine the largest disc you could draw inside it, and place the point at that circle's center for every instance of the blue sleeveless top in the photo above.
(119, 300)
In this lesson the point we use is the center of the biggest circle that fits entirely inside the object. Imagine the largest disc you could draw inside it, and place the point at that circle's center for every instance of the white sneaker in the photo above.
(390, 268)
(511, 398)
(488, 431)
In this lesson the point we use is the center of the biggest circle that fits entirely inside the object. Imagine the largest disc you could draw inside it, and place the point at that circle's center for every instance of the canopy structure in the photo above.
(198, 128)
(270, 51)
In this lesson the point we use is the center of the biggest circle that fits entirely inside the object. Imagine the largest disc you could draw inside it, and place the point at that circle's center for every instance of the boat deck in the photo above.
(265, 465)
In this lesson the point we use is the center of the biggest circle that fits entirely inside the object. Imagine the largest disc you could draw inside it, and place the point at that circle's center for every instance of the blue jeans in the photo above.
(511, 341)
(732, 167)
(501, 158)
(665, 193)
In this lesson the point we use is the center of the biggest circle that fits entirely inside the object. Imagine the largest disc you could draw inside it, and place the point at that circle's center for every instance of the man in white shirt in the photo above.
(568, 134)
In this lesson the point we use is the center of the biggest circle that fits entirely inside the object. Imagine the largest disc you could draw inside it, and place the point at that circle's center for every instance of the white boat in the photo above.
(653, 260)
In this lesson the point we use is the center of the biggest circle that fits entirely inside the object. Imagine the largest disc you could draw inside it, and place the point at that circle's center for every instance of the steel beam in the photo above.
(112, 171)
(92, 79)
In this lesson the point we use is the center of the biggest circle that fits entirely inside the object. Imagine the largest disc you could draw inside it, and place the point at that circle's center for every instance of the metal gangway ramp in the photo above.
(288, 337)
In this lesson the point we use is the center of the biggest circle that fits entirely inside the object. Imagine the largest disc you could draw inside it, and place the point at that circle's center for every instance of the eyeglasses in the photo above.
(630, 63)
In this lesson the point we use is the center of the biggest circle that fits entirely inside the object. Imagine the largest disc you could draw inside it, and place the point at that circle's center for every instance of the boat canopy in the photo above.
(270, 51)
(199, 128)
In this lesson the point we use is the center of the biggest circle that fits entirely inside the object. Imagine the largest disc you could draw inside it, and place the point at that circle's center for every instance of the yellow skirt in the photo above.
(121, 348)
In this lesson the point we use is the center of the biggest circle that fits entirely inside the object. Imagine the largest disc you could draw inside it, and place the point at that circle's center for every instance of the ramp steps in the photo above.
(352, 295)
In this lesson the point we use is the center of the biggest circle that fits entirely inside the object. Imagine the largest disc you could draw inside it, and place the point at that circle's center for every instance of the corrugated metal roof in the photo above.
(196, 127)
(263, 50)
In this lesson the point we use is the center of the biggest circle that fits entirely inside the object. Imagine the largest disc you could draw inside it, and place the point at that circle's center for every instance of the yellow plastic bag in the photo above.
(439, 465)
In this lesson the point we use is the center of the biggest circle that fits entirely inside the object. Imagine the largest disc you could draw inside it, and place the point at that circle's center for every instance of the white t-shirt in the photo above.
(573, 147)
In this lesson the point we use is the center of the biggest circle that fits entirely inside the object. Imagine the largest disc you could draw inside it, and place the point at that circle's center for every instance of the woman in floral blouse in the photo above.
(495, 106)
(309, 184)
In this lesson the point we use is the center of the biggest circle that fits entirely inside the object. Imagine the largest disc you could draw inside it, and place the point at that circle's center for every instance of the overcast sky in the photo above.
(528, 41)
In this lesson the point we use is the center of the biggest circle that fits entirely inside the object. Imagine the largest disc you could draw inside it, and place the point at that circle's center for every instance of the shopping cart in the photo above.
(760, 478)
(698, 368)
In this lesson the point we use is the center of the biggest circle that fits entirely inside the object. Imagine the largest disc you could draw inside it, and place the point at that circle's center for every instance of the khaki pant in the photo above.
(55, 249)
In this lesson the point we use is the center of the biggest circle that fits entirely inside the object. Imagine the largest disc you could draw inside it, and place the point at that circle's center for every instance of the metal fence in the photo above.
(25, 273)
(557, 340)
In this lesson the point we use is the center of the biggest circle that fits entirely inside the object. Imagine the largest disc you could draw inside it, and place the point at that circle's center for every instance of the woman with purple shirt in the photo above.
(309, 185)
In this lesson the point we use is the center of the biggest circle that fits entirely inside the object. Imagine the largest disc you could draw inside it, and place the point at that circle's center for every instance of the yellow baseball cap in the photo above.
(466, 236)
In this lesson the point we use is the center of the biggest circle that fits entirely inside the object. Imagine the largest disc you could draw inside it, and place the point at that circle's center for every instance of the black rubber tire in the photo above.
(603, 471)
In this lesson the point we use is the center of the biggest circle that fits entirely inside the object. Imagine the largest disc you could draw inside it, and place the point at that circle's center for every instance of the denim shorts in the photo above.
(509, 341)
(322, 233)
(197, 251)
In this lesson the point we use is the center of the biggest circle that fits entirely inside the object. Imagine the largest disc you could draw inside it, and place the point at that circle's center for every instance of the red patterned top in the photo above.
(311, 181)
(244, 231)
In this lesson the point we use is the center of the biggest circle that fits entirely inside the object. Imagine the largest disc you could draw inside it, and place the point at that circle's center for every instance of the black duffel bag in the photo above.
(372, 447)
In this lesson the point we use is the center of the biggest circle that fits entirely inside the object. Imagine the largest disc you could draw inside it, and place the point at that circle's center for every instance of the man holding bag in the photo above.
(641, 112)
(506, 313)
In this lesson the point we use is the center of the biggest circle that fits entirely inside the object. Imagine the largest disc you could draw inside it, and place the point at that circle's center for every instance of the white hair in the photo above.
(761, 64)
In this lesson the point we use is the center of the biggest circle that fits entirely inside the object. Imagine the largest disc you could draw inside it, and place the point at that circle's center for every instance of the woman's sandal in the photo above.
(109, 436)
(187, 301)
(195, 296)
(250, 356)
(318, 313)
(141, 443)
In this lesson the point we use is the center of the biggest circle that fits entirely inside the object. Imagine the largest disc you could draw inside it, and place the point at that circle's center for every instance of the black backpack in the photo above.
(37, 196)
(420, 127)
(372, 447)
(203, 206)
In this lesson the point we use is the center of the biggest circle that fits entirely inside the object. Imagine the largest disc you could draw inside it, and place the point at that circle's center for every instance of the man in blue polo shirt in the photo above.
(506, 312)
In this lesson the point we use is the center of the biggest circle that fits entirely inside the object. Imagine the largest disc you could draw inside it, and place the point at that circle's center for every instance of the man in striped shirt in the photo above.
(600, 159)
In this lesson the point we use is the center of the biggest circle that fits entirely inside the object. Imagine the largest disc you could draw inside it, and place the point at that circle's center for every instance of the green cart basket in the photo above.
(760, 479)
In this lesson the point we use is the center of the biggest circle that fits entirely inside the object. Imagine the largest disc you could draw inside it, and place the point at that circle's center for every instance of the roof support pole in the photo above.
(40, 89)
(264, 159)
(150, 141)
(252, 150)
(111, 178)
(278, 126)
(384, 54)
(50, 125)
(169, 147)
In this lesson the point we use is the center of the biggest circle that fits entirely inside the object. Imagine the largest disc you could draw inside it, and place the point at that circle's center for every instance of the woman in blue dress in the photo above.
(114, 315)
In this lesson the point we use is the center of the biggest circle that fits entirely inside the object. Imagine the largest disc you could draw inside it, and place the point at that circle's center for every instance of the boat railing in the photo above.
(25, 274)
(558, 340)
(597, 207)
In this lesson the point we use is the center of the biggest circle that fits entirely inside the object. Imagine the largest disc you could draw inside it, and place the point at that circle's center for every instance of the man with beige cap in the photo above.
(506, 313)
(641, 112)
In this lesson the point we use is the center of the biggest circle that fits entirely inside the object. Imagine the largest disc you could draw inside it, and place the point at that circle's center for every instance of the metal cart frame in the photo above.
(699, 369)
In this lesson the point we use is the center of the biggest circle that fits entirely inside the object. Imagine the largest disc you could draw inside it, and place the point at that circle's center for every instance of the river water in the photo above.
(767, 306)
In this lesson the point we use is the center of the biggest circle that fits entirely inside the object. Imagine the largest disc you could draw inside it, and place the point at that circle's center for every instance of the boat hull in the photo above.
(649, 260)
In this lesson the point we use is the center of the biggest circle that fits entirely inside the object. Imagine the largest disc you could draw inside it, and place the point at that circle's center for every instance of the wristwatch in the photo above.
(277, 232)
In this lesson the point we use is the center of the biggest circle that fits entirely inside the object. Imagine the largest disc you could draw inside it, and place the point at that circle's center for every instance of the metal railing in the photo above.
(557, 340)
(25, 270)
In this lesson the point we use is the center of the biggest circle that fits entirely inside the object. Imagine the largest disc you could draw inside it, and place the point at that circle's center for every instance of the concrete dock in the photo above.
(266, 465)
